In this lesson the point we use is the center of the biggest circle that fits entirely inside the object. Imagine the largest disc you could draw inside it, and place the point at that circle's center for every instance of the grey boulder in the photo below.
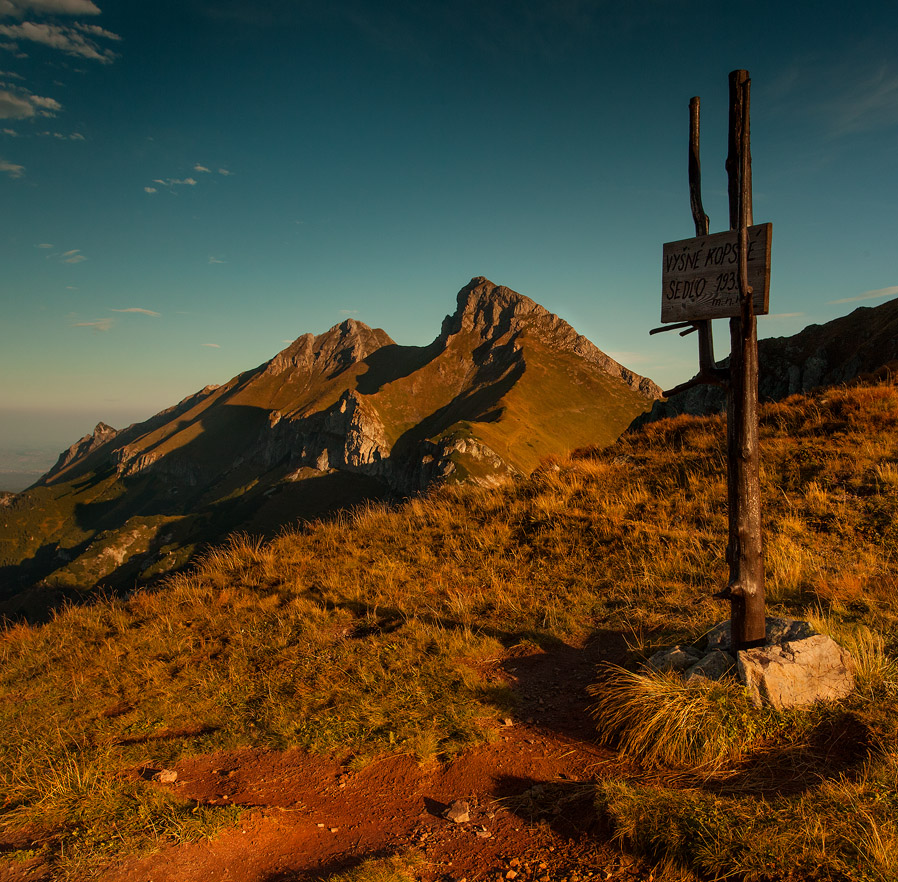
(797, 673)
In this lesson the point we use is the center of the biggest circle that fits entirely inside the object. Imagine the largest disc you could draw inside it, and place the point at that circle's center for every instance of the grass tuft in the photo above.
(396, 868)
(657, 719)
(842, 830)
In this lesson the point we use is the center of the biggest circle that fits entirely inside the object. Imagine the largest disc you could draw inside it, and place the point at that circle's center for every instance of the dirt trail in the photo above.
(531, 810)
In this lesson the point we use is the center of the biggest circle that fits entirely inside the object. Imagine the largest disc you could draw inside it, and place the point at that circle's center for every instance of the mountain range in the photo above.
(331, 421)
(349, 416)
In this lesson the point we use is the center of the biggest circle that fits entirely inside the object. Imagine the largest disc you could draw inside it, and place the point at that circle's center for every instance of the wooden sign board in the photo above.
(700, 279)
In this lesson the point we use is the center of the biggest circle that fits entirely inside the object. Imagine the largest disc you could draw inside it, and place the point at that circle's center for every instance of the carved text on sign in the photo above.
(700, 278)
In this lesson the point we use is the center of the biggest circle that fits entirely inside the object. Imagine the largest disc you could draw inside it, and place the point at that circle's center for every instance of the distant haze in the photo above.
(31, 439)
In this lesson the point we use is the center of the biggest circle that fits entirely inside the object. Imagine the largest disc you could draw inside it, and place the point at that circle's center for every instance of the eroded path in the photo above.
(531, 814)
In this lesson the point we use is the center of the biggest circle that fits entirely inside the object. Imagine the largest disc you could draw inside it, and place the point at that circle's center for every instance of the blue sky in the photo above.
(187, 185)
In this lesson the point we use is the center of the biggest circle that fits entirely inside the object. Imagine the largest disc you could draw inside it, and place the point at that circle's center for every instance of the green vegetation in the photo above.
(375, 632)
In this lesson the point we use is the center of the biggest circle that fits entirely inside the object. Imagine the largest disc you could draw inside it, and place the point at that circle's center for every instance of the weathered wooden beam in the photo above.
(744, 551)
(702, 226)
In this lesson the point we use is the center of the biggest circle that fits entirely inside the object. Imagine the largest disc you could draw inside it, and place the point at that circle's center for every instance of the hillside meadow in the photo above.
(375, 633)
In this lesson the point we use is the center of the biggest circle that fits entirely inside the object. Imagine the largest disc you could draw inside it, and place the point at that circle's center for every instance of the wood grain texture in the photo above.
(700, 276)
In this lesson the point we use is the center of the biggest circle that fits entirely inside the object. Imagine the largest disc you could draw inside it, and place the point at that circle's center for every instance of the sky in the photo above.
(187, 186)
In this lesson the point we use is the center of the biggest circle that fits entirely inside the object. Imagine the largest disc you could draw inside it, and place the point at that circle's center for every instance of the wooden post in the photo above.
(705, 336)
(744, 552)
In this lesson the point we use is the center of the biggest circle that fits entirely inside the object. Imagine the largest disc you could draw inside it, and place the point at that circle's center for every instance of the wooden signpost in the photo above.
(701, 276)
(727, 275)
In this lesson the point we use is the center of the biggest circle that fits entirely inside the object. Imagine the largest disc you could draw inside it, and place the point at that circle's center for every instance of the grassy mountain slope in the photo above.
(331, 420)
(382, 631)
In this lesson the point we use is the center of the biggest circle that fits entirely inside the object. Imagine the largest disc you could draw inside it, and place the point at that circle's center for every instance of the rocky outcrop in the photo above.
(863, 342)
(795, 667)
(82, 448)
(797, 673)
(364, 440)
(329, 353)
(350, 436)
(777, 631)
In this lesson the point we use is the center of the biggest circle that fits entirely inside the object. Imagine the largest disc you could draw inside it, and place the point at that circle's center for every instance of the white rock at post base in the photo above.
(676, 658)
(776, 630)
(796, 673)
(713, 666)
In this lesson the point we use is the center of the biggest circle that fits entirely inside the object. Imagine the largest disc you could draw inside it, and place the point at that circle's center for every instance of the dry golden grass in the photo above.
(656, 719)
(367, 633)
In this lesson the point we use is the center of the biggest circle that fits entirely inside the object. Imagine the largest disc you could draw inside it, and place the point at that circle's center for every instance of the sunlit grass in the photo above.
(657, 718)
(373, 632)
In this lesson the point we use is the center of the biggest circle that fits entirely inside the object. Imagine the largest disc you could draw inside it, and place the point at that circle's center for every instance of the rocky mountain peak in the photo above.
(336, 349)
(81, 448)
(490, 310)
(333, 420)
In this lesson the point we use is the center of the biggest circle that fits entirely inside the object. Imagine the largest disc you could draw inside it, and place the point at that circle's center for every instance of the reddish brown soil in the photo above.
(531, 811)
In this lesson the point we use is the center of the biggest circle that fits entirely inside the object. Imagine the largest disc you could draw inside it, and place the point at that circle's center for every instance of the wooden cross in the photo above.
(718, 276)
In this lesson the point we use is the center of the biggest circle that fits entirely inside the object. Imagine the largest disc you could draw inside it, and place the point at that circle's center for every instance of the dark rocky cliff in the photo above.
(863, 342)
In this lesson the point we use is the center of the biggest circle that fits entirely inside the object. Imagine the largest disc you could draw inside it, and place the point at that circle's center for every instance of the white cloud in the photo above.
(21, 104)
(878, 294)
(774, 315)
(46, 106)
(73, 256)
(137, 309)
(216, 259)
(75, 40)
(13, 170)
(58, 7)
(13, 49)
(97, 31)
(225, 172)
(105, 324)
(175, 182)
(44, 245)
(60, 136)
(211, 345)
(14, 107)
(171, 184)
(25, 106)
